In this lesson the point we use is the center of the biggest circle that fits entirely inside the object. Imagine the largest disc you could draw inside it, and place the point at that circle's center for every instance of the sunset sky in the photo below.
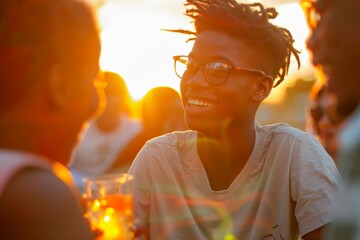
(134, 46)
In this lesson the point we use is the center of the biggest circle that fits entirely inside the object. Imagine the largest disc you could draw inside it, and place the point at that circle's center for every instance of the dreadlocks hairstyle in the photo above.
(272, 45)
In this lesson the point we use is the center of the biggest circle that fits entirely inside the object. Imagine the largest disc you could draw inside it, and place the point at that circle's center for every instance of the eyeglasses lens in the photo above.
(184, 68)
(214, 72)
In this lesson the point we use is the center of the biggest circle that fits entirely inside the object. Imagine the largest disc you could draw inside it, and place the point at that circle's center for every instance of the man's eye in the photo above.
(217, 67)
(217, 71)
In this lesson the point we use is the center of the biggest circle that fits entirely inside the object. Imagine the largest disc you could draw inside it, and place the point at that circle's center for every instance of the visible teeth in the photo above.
(199, 103)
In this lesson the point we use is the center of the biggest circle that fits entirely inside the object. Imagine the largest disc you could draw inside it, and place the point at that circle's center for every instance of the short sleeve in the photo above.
(314, 184)
(141, 185)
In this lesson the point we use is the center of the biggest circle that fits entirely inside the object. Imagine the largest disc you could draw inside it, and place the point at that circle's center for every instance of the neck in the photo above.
(233, 142)
(225, 155)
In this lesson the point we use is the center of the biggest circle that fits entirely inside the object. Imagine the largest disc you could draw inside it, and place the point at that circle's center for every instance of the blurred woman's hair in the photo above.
(159, 105)
(116, 86)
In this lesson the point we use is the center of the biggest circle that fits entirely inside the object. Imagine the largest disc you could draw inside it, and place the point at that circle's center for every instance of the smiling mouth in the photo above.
(199, 103)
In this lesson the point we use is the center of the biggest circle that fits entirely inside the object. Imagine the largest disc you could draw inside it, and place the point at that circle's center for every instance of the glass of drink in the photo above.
(109, 204)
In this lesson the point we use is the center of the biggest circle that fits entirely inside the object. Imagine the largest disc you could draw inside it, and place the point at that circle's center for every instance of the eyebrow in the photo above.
(215, 58)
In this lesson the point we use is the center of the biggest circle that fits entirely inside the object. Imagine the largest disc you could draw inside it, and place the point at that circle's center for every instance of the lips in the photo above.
(196, 105)
(200, 102)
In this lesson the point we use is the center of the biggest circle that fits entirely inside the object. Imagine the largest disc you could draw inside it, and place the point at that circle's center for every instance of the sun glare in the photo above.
(134, 46)
(292, 18)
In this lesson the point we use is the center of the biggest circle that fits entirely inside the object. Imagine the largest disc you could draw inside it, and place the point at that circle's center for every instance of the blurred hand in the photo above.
(97, 233)
(140, 231)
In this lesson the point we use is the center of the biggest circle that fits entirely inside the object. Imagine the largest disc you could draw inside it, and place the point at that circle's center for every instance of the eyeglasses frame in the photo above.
(230, 68)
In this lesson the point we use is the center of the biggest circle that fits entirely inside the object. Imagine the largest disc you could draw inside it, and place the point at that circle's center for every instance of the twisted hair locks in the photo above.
(271, 46)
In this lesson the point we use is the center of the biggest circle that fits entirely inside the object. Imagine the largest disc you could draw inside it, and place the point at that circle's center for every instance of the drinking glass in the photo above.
(109, 203)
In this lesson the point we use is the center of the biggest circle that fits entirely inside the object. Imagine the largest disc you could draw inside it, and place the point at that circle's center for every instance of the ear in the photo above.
(262, 88)
(57, 86)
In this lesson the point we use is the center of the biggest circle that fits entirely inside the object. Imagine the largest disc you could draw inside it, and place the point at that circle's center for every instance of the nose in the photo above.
(311, 40)
(312, 44)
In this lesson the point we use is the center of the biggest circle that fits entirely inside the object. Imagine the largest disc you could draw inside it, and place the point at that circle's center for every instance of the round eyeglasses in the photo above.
(215, 73)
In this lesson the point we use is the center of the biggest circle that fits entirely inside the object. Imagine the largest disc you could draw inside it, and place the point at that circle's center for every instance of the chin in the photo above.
(194, 126)
(206, 127)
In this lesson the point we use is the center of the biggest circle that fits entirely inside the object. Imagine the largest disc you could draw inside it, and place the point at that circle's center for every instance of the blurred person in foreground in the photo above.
(335, 45)
(324, 121)
(108, 135)
(229, 177)
(49, 60)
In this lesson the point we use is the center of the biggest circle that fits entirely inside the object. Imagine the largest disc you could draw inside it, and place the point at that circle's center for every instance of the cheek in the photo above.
(237, 99)
(182, 87)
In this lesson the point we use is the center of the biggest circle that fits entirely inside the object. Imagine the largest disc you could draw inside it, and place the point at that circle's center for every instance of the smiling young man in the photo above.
(229, 177)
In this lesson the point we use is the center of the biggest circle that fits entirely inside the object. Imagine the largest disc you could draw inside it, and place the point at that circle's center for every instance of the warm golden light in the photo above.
(109, 204)
(112, 215)
(134, 46)
(291, 17)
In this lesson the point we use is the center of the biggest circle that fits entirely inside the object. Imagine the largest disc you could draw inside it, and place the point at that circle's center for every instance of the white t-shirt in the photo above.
(287, 185)
(98, 150)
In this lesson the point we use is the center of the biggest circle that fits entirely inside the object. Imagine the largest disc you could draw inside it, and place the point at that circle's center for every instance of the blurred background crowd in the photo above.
(43, 118)
(149, 64)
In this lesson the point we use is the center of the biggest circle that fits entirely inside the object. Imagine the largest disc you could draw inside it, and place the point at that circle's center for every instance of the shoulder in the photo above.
(35, 198)
(292, 143)
(174, 139)
(36, 188)
(281, 129)
(283, 132)
(168, 149)
(12, 162)
(36, 184)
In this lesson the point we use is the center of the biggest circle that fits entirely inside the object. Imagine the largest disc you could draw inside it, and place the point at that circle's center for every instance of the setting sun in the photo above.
(134, 45)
